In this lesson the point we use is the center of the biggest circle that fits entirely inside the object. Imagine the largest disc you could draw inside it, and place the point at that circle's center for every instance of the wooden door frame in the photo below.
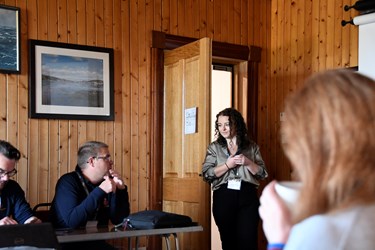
(162, 41)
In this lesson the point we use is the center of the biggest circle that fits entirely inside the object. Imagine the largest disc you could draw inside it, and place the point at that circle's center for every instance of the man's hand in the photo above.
(33, 220)
(117, 179)
(7, 221)
(108, 185)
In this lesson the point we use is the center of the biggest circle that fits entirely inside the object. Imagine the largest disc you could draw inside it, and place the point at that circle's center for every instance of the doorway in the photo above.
(245, 59)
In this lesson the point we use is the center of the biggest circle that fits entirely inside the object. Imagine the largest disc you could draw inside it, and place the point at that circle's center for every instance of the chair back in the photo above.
(41, 211)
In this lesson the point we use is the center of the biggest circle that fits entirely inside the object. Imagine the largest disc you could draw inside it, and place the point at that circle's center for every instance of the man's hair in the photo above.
(87, 150)
(329, 137)
(9, 151)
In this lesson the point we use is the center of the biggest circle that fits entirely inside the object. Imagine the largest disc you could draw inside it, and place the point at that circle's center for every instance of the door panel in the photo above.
(187, 79)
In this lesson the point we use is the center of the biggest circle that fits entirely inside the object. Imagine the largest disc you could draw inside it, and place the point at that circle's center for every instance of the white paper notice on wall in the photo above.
(190, 120)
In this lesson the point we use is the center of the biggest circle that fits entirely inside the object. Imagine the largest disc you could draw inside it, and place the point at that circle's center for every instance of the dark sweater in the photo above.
(13, 203)
(72, 207)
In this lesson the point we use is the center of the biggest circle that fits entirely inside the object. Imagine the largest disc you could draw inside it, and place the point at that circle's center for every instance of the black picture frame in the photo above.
(70, 81)
(10, 40)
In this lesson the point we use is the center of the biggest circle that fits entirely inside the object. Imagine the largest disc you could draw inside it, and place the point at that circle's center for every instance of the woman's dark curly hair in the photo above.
(236, 124)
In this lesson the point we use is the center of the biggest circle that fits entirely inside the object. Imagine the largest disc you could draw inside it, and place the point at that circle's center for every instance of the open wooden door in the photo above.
(187, 81)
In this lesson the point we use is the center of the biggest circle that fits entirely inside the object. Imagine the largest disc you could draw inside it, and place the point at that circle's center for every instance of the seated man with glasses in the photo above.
(14, 209)
(92, 194)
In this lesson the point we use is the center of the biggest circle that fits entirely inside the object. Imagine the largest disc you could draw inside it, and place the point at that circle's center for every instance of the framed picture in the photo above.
(9, 39)
(69, 81)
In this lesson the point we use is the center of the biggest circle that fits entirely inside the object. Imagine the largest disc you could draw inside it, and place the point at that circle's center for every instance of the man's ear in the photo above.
(90, 161)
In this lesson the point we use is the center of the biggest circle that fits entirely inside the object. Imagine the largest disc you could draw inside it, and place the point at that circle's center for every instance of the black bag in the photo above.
(150, 219)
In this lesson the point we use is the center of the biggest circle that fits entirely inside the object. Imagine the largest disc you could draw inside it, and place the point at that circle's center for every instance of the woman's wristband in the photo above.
(275, 246)
(227, 166)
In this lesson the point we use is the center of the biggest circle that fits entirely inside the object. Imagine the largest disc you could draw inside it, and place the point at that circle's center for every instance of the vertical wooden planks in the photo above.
(12, 101)
(263, 123)
(181, 18)
(106, 128)
(144, 97)
(72, 139)
(224, 21)
(100, 38)
(166, 21)
(134, 111)
(43, 140)
(33, 123)
(126, 99)
(120, 59)
(216, 21)
(353, 52)
(307, 58)
(315, 38)
(210, 19)
(247, 25)
(203, 18)
(337, 42)
(81, 13)
(22, 176)
(236, 27)
(345, 36)
(63, 142)
(91, 25)
(322, 35)
(54, 135)
(330, 33)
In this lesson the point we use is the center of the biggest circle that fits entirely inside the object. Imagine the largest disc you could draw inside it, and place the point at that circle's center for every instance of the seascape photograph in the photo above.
(8, 40)
(72, 81)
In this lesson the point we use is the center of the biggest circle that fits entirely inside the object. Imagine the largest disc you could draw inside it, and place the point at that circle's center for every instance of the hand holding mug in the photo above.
(275, 214)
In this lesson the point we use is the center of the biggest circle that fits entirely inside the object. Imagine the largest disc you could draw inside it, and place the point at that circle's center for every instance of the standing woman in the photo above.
(233, 165)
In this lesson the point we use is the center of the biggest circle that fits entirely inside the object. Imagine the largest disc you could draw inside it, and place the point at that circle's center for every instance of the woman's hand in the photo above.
(276, 217)
(231, 161)
(242, 160)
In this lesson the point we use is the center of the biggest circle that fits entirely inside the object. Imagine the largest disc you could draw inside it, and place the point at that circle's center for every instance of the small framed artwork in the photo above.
(9, 39)
(69, 81)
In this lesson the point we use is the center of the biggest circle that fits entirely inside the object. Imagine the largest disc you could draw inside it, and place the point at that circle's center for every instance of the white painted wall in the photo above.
(221, 98)
(366, 44)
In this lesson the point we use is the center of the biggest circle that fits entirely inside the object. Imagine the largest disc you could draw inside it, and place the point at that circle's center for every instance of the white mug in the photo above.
(288, 192)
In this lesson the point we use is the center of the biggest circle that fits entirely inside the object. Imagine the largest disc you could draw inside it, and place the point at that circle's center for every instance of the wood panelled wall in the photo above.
(306, 36)
(297, 37)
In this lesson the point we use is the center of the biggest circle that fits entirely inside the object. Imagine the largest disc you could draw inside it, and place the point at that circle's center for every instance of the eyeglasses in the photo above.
(104, 158)
(9, 174)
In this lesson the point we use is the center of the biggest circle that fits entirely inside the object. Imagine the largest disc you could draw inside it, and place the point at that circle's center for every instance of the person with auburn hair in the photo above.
(233, 166)
(329, 137)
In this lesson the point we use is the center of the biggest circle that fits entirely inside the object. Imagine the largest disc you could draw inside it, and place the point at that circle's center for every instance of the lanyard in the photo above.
(234, 170)
(83, 184)
(87, 192)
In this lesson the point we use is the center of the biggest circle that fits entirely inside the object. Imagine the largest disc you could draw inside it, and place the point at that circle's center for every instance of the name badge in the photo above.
(234, 184)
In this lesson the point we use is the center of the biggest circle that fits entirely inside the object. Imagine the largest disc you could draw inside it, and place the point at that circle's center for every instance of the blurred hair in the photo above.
(87, 150)
(237, 126)
(330, 141)
(9, 151)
